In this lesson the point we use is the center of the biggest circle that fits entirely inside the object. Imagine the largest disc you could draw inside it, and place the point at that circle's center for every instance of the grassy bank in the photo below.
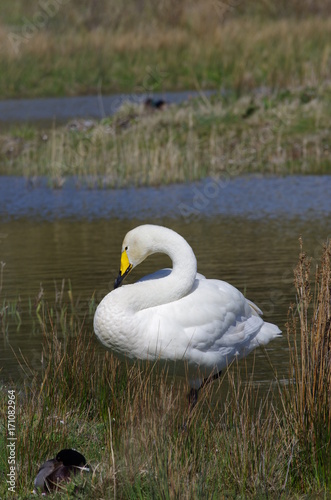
(71, 48)
(284, 132)
(128, 421)
(53, 48)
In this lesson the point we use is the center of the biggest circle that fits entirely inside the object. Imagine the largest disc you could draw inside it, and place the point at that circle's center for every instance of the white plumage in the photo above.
(196, 325)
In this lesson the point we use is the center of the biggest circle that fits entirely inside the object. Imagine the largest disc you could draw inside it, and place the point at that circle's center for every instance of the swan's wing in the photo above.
(221, 317)
(162, 273)
(215, 317)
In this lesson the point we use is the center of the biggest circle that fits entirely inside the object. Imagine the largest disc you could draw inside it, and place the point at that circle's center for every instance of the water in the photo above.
(244, 231)
(61, 109)
(251, 197)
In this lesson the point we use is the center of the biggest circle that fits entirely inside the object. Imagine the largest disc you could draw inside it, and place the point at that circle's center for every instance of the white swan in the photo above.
(197, 325)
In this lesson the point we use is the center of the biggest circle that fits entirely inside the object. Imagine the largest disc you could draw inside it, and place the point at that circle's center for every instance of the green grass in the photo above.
(239, 46)
(112, 48)
(281, 133)
(128, 420)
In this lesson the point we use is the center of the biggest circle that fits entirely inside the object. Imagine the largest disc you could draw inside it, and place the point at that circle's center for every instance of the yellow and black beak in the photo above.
(125, 268)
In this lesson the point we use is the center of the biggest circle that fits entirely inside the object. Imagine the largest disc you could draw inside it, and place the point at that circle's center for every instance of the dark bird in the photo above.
(52, 473)
(154, 103)
(250, 110)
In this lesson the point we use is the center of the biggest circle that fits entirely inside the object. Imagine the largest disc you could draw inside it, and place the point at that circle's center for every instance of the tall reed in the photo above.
(308, 402)
(132, 422)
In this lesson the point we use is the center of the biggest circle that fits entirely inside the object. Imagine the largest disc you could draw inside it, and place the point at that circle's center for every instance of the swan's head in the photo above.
(137, 245)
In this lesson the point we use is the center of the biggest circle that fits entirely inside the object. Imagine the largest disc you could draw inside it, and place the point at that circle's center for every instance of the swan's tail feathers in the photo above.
(267, 333)
(256, 310)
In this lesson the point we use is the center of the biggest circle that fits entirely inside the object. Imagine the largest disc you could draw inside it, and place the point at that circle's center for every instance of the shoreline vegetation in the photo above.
(61, 48)
(280, 133)
(132, 422)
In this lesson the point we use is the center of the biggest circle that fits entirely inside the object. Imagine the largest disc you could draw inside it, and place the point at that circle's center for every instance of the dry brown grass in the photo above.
(128, 420)
(198, 44)
(309, 390)
(280, 133)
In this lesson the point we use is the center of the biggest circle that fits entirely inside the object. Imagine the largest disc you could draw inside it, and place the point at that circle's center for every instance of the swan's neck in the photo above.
(177, 284)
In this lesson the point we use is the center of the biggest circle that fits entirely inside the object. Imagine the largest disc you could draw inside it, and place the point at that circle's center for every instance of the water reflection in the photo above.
(257, 256)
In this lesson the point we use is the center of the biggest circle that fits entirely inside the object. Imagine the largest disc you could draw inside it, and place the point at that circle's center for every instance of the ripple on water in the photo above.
(254, 197)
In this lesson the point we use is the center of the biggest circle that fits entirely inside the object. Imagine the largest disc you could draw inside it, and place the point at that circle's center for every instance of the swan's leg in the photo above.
(194, 393)
(193, 397)
(210, 379)
(192, 401)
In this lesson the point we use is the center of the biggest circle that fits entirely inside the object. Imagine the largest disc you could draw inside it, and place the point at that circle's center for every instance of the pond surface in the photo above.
(61, 109)
(251, 197)
(244, 231)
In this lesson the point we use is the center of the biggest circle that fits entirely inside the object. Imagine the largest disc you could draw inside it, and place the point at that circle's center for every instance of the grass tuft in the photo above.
(270, 133)
(309, 329)
(132, 422)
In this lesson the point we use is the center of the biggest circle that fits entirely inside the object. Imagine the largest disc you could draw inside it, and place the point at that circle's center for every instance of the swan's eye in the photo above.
(126, 248)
